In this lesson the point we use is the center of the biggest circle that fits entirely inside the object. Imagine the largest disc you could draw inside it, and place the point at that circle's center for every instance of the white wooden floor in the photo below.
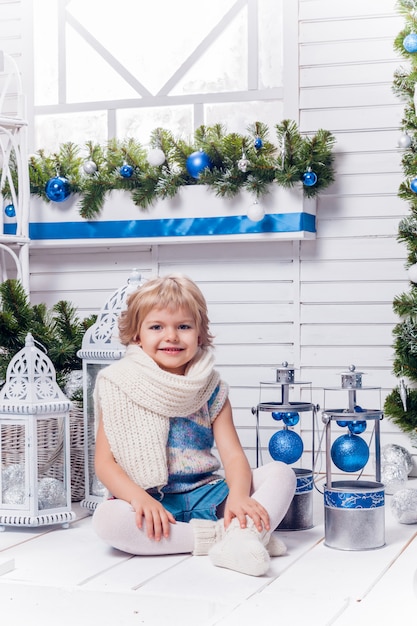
(67, 576)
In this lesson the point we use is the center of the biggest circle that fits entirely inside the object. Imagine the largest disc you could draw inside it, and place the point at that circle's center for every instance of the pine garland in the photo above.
(58, 330)
(265, 163)
(405, 304)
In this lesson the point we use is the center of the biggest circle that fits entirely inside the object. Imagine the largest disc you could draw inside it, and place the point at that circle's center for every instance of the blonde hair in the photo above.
(171, 292)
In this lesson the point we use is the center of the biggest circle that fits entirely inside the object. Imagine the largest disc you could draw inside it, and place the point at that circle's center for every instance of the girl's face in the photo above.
(170, 338)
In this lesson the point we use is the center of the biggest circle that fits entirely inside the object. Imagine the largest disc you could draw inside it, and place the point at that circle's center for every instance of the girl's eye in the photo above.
(184, 326)
(155, 327)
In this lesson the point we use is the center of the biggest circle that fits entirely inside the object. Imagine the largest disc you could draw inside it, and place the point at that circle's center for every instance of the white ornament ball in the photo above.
(412, 273)
(404, 141)
(14, 495)
(90, 167)
(404, 506)
(394, 476)
(397, 455)
(156, 157)
(242, 164)
(51, 493)
(256, 213)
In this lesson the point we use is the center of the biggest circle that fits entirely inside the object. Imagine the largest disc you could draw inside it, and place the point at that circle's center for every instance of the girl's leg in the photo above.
(114, 522)
(274, 487)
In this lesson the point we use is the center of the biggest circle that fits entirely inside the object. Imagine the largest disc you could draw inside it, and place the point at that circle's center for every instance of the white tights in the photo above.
(273, 486)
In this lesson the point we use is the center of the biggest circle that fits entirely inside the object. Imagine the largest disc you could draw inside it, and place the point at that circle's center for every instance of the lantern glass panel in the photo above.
(95, 488)
(14, 491)
(52, 467)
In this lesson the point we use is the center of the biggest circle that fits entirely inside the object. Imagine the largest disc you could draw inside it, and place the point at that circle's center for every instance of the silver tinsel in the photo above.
(394, 477)
(15, 494)
(395, 454)
(404, 506)
(51, 493)
(97, 488)
(13, 475)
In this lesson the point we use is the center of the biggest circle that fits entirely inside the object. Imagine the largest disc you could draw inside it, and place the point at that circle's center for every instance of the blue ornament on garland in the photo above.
(349, 453)
(309, 178)
(413, 185)
(258, 143)
(197, 162)
(58, 189)
(286, 446)
(410, 43)
(9, 210)
(126, 171)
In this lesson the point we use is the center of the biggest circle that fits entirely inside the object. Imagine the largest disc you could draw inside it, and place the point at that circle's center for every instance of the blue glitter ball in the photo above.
(197, 162)
(286, 446)
(349, 453)
(258, 143)
(410, 42)
(342, 423)
(357, 427)
(58, 189)
(277, 416)
(291, 419)
(126, 171)
(309, 179)
(9, 210)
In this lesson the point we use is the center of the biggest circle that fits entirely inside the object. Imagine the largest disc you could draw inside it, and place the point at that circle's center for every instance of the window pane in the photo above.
(45, 50)
(238, 116)
(53, 130)
(270, 43)
(139, 123)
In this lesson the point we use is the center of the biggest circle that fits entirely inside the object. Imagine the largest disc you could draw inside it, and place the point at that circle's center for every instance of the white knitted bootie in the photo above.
(242, 549)
(206, 534)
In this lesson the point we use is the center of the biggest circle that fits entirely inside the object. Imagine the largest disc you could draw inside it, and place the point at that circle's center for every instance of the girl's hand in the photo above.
(240, 507)
(157, 518)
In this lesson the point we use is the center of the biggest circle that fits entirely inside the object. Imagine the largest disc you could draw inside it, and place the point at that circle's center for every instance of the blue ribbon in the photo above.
(184, 227)
(354, 500)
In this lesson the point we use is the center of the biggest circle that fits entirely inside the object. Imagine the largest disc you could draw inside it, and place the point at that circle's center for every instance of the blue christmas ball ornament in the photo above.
(342, 423)
(258, 143)
(9, 210)
(309, 178)
(126, 171)
(291, 419)
(197, 162)
(410, 42)
(349, 453)
(413, 185)
(277, 416)
(57, 189)
(286, 446)
(357, 427)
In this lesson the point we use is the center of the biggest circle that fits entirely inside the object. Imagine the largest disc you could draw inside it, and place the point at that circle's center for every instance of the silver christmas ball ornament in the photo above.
(156, 157)
(404, 141)
(404, 506)
(90, 167)
(242, 164)
(14, 495)
(51, 493)
(13, 475)
(394, 454)
(256, 212)
(394, 477)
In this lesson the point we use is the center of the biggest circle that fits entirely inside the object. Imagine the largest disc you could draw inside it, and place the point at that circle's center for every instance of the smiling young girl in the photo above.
(160, 411)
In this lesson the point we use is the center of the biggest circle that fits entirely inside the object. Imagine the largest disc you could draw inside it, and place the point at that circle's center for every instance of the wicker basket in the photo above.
(50, 449)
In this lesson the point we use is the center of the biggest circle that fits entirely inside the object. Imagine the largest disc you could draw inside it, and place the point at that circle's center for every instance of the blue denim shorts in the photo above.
(200, 503)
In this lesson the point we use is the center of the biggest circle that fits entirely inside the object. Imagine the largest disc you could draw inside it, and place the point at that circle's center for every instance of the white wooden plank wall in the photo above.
(320, 304)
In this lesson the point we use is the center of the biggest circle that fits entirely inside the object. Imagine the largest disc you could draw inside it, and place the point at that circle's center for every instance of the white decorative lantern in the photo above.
(100, 347)
(35, 477)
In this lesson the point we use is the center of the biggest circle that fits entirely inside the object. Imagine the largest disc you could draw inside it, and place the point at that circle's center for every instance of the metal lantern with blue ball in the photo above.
(58, 189)
(286, 445)
(353, 509)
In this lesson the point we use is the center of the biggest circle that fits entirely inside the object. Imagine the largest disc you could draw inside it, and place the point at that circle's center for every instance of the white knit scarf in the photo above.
(137, 398)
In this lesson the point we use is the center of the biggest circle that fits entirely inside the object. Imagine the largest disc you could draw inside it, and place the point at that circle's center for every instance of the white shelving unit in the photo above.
(14, 174)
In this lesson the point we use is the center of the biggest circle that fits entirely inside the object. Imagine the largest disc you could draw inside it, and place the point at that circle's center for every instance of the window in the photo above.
(103, 69)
